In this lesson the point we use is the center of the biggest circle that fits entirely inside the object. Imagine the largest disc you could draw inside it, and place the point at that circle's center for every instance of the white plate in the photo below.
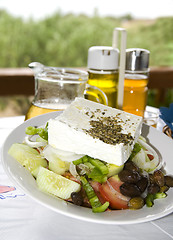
(23, 179)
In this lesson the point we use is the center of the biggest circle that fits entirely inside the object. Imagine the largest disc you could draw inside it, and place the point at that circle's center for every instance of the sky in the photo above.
(38, 9)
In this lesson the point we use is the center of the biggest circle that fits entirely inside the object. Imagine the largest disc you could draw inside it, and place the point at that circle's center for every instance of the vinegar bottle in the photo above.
(103, 71)
(136, 80)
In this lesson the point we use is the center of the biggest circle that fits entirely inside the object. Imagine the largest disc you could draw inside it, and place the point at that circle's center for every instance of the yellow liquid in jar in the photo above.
(135, 95)
(107, 83)
(39, 109)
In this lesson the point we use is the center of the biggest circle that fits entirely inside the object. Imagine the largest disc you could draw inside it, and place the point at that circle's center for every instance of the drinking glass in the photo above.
(151, 118)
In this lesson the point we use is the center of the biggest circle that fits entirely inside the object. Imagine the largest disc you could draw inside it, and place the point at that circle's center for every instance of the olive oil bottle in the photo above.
(103, 71)
(136, 80)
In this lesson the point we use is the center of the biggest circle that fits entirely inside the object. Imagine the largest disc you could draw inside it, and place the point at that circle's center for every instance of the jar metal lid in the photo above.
(137, 59)
(103, 58)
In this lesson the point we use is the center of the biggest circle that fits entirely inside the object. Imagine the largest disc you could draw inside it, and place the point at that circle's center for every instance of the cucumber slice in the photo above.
(56, 184)
(114, 169)
(59, 166)
(55, 163)
(27, 156)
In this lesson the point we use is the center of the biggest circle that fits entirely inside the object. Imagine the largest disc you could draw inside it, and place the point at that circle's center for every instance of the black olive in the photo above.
(151, 178)
(159, 178)
(169, 181)
(153, 188)
(129, 176)
(131, 166)
(130, 190)
(77, 198)
(136, 203)
(142, 184)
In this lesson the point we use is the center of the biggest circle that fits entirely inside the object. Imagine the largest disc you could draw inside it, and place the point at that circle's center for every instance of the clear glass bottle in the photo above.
(136, 80)
(103, 71)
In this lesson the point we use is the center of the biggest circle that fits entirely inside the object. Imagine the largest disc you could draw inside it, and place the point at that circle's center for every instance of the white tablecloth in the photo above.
(21, 218)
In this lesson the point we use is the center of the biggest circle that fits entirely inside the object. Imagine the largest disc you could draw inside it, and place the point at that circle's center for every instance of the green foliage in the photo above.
(58, 40)
(157, 38)
(63, 40)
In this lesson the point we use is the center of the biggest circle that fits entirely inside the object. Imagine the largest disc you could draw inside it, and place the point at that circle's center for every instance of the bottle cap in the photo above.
(137, 59)
(103, 58)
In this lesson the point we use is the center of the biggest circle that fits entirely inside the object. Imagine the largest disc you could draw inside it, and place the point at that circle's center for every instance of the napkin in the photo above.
(166, 114)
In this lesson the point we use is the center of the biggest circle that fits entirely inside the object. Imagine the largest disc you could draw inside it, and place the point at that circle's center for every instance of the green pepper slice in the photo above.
(92, 197)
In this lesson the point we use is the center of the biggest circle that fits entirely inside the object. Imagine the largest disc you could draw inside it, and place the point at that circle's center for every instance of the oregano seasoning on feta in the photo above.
(108, 130)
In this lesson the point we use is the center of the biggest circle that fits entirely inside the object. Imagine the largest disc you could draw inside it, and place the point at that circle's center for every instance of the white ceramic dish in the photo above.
(23, 179)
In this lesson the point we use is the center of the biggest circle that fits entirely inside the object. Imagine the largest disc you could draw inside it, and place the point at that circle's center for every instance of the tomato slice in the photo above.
(151, 157)
(115, 182)
(110, 191)
(96, 186)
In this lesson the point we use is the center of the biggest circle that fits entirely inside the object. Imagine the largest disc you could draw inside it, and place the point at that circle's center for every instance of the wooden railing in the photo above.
(20, 81)
(16, 81)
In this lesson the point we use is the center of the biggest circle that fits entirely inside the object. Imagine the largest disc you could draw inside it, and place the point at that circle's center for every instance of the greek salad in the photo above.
(89, 182)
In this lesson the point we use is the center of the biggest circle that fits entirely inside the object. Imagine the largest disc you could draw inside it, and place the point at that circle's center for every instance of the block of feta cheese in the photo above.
(96, 130)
